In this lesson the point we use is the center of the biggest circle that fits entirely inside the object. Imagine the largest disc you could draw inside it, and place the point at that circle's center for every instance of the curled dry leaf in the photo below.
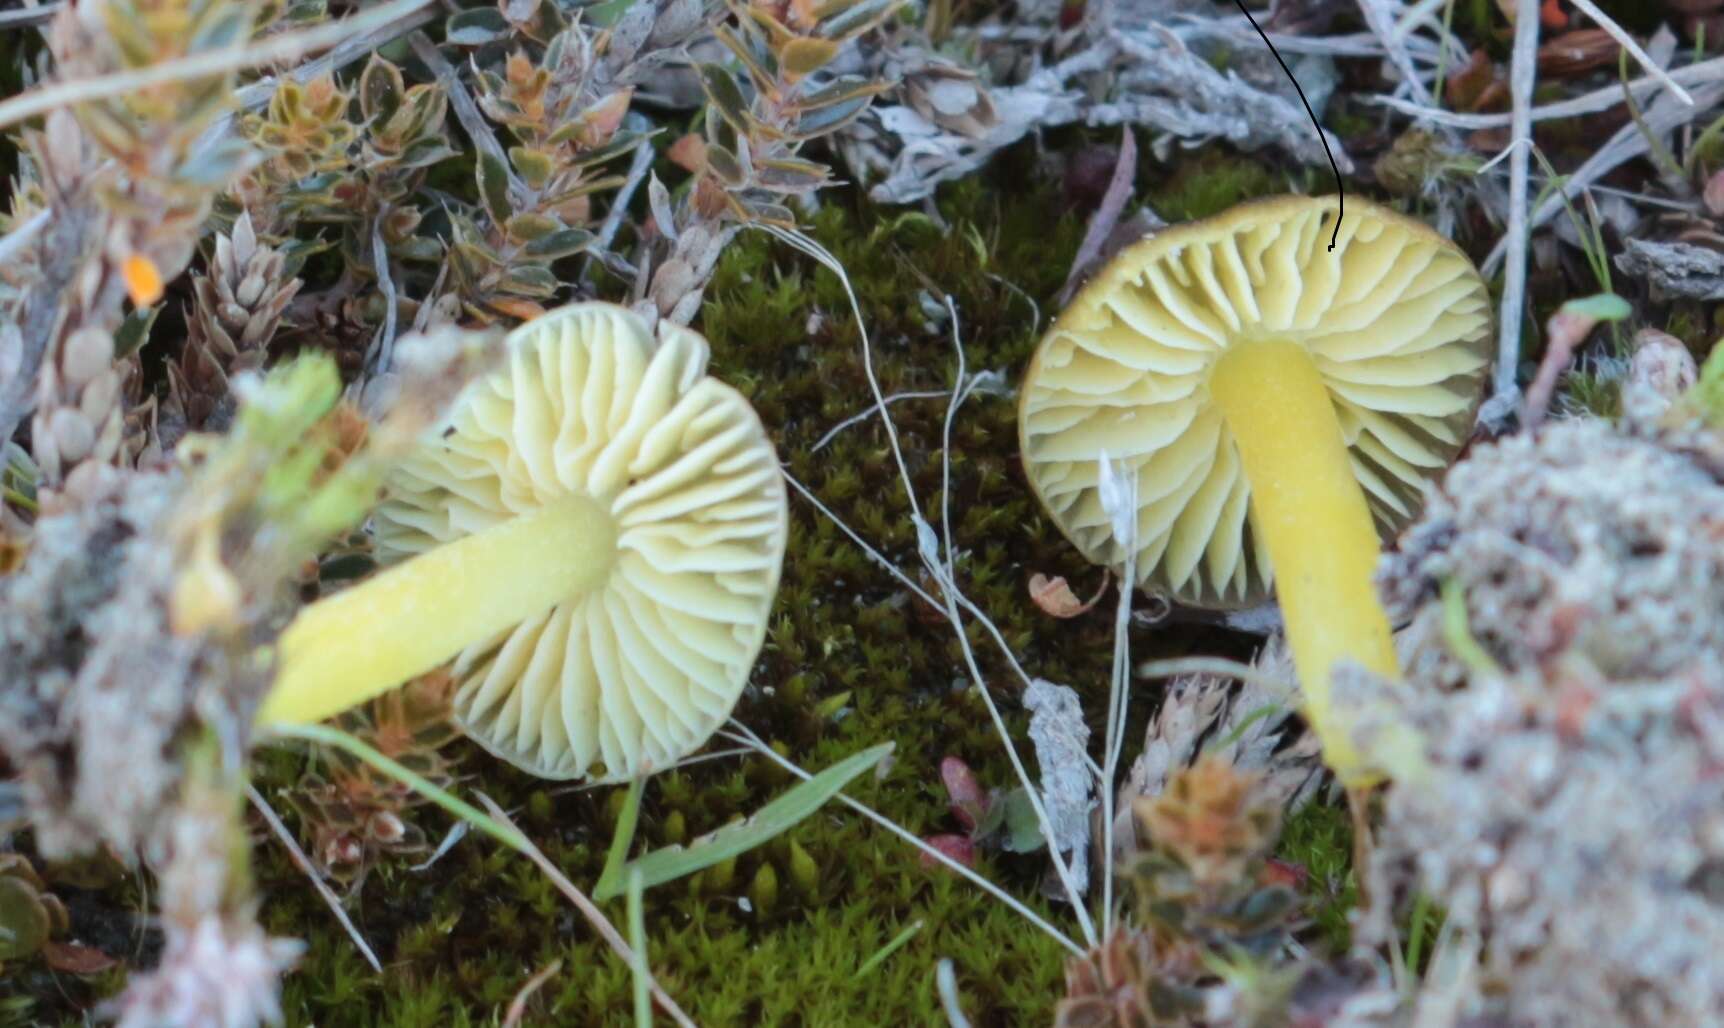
(1055, 597)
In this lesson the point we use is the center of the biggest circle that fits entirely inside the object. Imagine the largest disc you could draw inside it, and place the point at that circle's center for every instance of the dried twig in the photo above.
(301, 861)
(466, 110)
(383, 347)
(592, 913)
(24, 17)
(68, 240)
(1106, 216)
(1590, 9)
(873, 411)
(639, 165)
(1590, 103)
(518, 1005)
(286, 47)
(1523, 74)
(1629, 142)
(1395, 45)
(257, 94)
(20, 237)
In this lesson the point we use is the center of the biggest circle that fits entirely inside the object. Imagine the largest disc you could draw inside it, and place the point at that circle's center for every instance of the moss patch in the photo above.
(459, 940)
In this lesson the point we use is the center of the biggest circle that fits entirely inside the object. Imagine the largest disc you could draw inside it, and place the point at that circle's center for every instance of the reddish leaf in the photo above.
(75, 959)
(1284, 872)
(969, 801)
(955, 847)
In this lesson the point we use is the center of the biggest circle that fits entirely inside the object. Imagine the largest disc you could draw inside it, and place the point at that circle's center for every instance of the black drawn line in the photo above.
(1340, 197)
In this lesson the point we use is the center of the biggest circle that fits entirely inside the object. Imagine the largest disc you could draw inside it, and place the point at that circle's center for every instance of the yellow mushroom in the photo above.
(1280, 404)
(594, 536)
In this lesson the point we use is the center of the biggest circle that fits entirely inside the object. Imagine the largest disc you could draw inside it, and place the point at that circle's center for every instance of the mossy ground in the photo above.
(459, 940)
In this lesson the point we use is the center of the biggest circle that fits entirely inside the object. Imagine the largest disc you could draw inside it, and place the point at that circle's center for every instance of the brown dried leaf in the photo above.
(688, 153)
(72, 958)
(1714, 194)
(1055, 597)
(1577, 52)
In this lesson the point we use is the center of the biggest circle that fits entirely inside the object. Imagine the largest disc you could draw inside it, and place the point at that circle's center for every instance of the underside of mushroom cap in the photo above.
(1395, 319)
(641, 670)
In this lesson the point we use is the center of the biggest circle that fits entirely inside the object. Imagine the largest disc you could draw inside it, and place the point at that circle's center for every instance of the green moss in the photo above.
(1215, 179)
(1319, 838)
(1597, 395)
(459, 940)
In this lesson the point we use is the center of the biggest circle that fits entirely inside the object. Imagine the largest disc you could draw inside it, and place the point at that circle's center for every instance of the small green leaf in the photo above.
(380, 90)
(778, 816)
(494, 188)
(806, 55)
(839, 90)
(534, 166)
(424, 152)
(829, 707)
(564, 243)
(830, 119)
(134, 331)
(1602, 307)
(726, 96)
(773, 214)
(790, 175)
(725, 165)
(530, 280)
(621, 143)
(24, 923)
(1023, 829)
(527, 226)
(476, 27)
(418, 248)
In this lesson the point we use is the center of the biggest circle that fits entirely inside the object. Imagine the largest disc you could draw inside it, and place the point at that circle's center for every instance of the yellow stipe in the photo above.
(1308, 508)
(410, 619)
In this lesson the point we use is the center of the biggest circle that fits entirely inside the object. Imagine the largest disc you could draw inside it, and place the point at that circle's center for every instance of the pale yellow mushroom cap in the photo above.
(641, 669)
(1396, 320)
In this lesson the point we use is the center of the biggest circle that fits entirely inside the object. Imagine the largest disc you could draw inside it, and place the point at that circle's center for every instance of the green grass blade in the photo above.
(1459, 634)
(887, 950)
(674, 862)
(611, 878)
(638, 942)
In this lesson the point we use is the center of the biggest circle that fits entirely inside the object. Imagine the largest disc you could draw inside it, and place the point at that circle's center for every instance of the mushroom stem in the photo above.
(1307, 506)
(410, 619)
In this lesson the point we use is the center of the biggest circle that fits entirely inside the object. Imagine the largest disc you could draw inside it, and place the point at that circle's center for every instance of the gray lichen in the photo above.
(1570, 814)
(83, 618)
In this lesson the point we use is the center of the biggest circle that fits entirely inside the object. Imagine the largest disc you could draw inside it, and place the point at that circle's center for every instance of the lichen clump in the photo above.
(1571, 814)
